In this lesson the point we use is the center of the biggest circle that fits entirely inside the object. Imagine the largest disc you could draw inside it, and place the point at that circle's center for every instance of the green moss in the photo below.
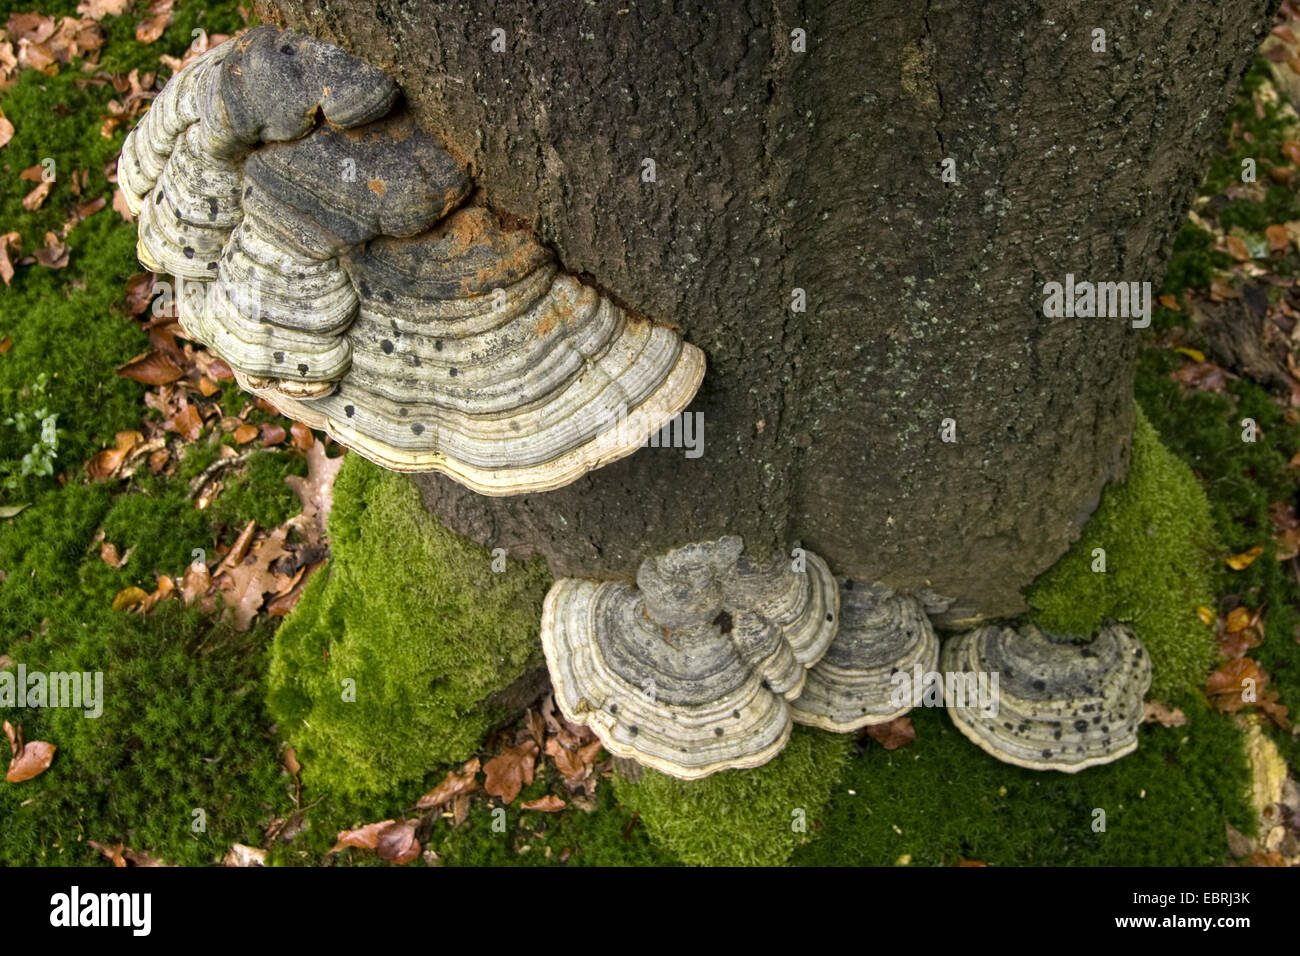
(1156, 533)
(940, 799)
(742, 817)
(1242, 480)
(413, 615)
(182, 728)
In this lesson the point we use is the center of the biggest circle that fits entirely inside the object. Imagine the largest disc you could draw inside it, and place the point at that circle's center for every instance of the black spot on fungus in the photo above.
(248, 191)
(287, 50)
(415, 360)
(830, 617)
(437, 346)
(724, 622)
(349, 410)
(278, 356)
(1057, 735)
(633, 731)
(302, 368)
(1080, 725)
(1039, 685)
(189, 252)
(1046, 754)
(613, 708)
(848, 585)
(736, 714)
(212, 208)
(365, 289)
(387, 346)
(453, 372)
(212, 267)
(417, 428)
(717, 731)
(403, 411)
(157, 199)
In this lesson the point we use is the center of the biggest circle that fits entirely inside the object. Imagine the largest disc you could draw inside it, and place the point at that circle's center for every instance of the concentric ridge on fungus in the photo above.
(880, 634)
(691, 670)
(322, 250)
(1059, 705)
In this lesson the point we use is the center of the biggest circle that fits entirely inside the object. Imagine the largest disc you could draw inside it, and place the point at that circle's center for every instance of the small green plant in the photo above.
(40, 427)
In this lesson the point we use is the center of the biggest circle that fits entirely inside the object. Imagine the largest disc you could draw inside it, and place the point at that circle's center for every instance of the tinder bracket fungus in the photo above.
(881, 634)
(690, 671)
(1059, 705)
(323, 249)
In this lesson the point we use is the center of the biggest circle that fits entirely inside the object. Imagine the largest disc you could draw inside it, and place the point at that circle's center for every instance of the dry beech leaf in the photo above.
(245, 433)
(1239, 562)
(151, 368)
(1158, 713)
(240, 855)
(391, 840)
(510, 771)
(547, 804)
(36, 198)
(129, 597)
(32, 760)
(272, 434)
(456, 783)
(111, 852)
(303, 439)
(893, 734)
(1237, 620)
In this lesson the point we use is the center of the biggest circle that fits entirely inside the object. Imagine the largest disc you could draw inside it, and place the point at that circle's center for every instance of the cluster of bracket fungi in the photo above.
(323, 248)
(710, 659)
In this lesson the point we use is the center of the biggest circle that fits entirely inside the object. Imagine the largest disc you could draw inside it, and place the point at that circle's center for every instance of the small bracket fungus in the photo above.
(322, 250)
(1059, 705)
(881, 634)
(690, 671)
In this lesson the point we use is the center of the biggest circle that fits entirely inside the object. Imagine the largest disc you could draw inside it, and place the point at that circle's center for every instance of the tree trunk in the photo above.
(820, 170)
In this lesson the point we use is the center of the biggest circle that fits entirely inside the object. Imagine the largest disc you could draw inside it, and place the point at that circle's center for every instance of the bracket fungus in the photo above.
(1058, 705)
(323, 249)
(690, 671)
(880, 634)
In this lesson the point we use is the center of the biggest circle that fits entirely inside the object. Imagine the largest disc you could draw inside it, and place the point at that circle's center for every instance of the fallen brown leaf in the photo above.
(35, 759)
(113, 852)
(547, 804)
(272, 434)
(154, 21)
(302, 436)
(129, 597)
(7, 241)
(151, 368)
(455, 783)
(36, 198)
(1158, 713)
(53, 255)
(1239, 562)
(391, 840)
(893, 734)
(510, 771)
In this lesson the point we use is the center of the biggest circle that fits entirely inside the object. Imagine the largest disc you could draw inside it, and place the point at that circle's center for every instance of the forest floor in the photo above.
(157, 523)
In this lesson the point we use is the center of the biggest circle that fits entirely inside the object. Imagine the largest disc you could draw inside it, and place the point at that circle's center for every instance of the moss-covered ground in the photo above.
(416, 623)
(197, 715)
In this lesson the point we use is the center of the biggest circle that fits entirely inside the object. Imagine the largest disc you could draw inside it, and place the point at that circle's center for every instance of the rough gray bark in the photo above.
(820, 170)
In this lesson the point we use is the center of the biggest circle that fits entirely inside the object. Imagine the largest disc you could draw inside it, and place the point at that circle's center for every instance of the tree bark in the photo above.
(820, 170)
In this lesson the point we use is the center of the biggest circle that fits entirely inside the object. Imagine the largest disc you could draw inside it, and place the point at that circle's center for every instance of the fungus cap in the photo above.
(708, 693)
(881, 634)
(1059, 705)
